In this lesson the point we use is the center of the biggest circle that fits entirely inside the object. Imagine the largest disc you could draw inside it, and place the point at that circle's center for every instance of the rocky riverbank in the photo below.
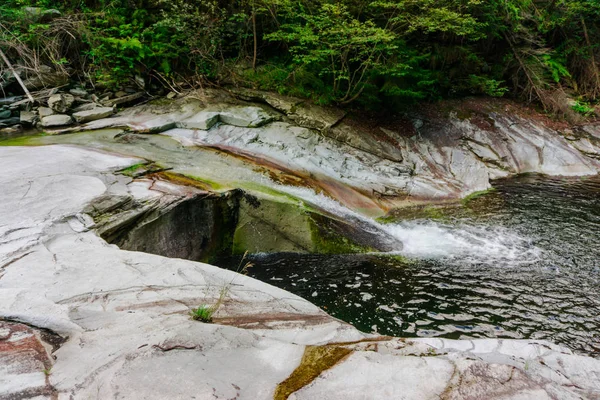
(248, 171)
(436, 155)
(81, 318)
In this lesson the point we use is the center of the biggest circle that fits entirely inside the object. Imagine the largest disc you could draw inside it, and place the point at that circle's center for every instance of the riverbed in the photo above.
(521, 261)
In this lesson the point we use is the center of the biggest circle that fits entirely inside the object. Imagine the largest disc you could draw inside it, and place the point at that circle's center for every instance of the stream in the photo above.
(522, 261)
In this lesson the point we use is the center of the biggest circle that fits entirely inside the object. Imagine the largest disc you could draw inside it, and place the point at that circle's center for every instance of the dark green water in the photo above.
(521, 262)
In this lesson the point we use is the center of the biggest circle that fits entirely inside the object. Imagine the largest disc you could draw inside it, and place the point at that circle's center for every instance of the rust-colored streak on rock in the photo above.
(349, 196)
(24, 357)
(278, 320)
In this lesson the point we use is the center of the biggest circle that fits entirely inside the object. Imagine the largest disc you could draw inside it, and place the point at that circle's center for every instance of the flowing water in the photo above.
(520, 262)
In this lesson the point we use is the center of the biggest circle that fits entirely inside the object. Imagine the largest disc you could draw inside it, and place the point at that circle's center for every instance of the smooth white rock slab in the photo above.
(128, 335)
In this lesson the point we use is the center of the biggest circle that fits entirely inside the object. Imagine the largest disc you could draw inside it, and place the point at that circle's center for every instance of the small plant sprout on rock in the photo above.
(204, 313)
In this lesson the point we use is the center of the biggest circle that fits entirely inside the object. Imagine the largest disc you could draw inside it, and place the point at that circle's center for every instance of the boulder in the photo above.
(56, 120)
(78, 92)
(284, 104)
(28, 117)
(9, 100)
(45, 111)
(9, 122)
(93, 114)
(203, 120)
(314, 117)
(246, 117)
(122, 100)
(4, 114)
(140, 81)
(61, 103)
(11, 130)
(85, 107)
(38, 14)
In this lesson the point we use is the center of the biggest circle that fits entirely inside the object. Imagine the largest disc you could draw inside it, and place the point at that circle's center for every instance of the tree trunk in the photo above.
(594, 65)
(255, 38)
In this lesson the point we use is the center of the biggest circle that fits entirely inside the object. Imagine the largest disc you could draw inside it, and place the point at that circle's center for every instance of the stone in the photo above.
(123, 100)
(314, 117)
(9, 121)
(203, 120)
(9, 100)
(120, 93)
(93, 114)
(78, 92)
(140, 81)
(11, 130)
(171, 95)
(84, 107)
(61, 103)
(28, 117)
(39, 14)
(45, 111)
(4, 114)
(284, 104)
(56, 120)
(246, 117)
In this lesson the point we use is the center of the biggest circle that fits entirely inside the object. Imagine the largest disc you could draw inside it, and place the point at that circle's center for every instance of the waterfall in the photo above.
(472, 244)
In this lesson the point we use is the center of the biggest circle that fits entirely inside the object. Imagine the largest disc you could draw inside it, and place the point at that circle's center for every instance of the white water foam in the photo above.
(471, 244)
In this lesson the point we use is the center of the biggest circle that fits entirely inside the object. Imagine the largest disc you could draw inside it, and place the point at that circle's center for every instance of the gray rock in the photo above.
(45, 111)
(203, 120)
(315, 117)
(28, 117)
(93, 114)
(78, 92)
(9, 100)
(140, 81)
(11, 130)
(56, 120)
(61, 103)
(246, 117)
(418, 123)
(39, 14)
(85, 107)
(4, 114)
(9, 121)
(122, 100)
(284, 104)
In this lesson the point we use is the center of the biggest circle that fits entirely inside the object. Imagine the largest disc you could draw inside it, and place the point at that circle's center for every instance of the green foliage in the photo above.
(371, 52)
(583, 108)
(203, 313)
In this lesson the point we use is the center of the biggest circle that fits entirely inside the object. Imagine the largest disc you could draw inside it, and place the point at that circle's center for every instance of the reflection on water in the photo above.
(522, 262)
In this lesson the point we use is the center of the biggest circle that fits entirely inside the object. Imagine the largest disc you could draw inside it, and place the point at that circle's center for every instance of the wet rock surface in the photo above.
(433, 160)
(122, 315)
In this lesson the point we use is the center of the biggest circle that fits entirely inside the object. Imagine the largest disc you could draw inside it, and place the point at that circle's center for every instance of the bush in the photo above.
(374, 53)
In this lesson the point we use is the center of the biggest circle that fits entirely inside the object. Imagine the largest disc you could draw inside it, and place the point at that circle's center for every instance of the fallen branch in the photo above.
(16, 75)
